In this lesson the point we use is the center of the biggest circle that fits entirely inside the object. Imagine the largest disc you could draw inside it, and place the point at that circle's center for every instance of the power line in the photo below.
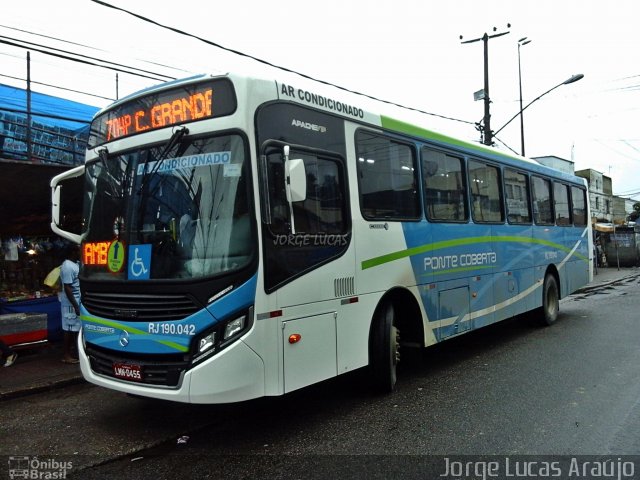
(627, 195)
(107, 62)
(265, 62)
(51, 38)
(632, 191)
(597, 140)
(59, 88)
(65, 55)
(87, 46)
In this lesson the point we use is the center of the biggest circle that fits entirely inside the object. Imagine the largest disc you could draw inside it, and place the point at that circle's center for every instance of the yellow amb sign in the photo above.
(107, 254)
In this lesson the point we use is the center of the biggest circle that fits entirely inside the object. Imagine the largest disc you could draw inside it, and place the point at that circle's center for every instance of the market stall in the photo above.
(24, 264)
(40, 136)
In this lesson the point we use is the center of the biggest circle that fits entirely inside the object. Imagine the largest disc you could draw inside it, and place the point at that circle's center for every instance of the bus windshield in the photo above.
(168, 213)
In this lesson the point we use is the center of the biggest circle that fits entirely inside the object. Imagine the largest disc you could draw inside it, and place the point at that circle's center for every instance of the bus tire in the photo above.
(550, 300)
(384, 349)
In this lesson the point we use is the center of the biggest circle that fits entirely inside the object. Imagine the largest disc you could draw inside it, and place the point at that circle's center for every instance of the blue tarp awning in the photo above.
(58, 138)
(47, 109)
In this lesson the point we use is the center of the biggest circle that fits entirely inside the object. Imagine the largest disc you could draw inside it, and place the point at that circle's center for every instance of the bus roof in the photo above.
(368, 110)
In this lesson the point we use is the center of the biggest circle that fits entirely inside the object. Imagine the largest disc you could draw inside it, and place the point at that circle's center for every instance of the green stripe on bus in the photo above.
(137, 331)
(409, 129)
(390, 257)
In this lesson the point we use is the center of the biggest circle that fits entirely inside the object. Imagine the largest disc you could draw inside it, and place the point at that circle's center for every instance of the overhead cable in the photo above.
(50, 38)
(265, 62)
(112, 66)
(89, 47)
(59, 88)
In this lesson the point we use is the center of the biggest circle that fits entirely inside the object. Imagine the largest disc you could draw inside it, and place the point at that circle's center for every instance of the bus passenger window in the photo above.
(387, 179)
(561, 203)
(542, 211)
(444, 186)
(484, 182)
(517, 197)
(578, 201)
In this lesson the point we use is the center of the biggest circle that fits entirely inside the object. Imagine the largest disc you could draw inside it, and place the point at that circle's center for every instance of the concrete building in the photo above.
(600, 195)
(558, 163)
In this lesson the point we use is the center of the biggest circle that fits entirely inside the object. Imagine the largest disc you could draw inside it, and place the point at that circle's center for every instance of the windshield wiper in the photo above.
(176, 136)
(103, 155)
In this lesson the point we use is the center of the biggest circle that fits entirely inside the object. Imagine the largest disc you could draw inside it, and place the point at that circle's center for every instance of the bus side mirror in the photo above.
(57, 184)
(296, 180)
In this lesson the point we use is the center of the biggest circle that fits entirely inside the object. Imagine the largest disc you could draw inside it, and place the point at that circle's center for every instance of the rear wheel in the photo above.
(384, 349)
(550, 300)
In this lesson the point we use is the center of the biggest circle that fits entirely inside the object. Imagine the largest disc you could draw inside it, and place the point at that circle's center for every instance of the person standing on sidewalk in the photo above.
(8, 354)
(70, 303)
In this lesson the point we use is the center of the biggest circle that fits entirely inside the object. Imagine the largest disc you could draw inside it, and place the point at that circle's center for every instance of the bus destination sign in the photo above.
(163, 109)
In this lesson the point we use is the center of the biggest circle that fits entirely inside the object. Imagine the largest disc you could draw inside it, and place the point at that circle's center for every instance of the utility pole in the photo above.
(29, 145)
(487, 136)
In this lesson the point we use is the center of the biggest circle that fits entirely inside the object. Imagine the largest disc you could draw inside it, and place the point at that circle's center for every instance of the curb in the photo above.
(590, 288)
(33, 389)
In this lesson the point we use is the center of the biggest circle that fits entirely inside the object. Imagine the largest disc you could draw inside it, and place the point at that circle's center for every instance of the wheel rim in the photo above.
(552, 301)
(394, 344)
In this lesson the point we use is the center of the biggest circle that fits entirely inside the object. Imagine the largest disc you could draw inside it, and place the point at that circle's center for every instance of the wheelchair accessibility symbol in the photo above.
(139, 262)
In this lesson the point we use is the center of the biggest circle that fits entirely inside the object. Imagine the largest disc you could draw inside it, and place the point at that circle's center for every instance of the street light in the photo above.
(523, 41)
(572, 79)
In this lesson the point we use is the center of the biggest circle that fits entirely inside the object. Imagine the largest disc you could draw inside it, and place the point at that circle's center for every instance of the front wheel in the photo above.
(550, 300)
(384, 349)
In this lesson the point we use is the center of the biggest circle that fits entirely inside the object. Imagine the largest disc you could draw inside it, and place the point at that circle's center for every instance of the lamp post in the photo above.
(572, 79)
(523, 41)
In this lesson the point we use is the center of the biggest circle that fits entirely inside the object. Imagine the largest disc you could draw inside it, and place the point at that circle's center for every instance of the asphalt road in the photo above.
(511, 389)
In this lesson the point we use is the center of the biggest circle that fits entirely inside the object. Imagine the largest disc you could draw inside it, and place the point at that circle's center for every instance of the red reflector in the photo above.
(348, 301)
(275, 313)
(295, 338)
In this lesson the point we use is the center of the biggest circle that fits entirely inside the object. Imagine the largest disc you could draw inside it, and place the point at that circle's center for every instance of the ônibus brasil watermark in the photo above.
(25, 467)
(311, 240)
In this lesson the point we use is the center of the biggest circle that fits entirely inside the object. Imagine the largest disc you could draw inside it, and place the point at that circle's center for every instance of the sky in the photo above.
(407, 52)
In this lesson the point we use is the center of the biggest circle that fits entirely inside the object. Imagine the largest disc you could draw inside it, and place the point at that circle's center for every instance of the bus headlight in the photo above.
(207, 342)
(234, 326)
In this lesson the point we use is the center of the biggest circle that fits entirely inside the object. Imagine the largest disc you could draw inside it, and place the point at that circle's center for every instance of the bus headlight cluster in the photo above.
(220, 336)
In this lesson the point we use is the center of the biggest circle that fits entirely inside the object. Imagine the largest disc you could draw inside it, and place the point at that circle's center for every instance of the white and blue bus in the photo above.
(247, 237)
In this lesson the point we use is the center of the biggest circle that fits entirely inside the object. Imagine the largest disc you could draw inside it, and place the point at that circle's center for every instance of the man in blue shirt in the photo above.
(70, 303)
